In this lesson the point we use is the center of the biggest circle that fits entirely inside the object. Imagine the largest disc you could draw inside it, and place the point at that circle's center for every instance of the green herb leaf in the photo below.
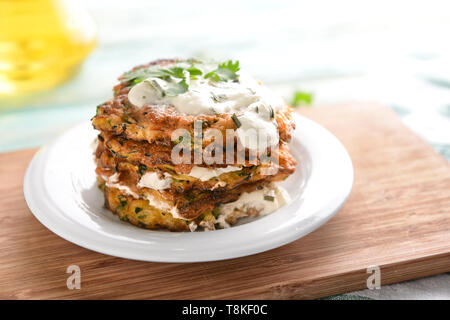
(142, 168)
(225, 71)
(193, 71)
(236, 120)
(230, 65)
(301, 98)
(122, 200)
(213, 76)
(272, 113)
(176, 72)
(219, 97)
(176, 88)
(142, 74)
(176, 78)
(269, 198)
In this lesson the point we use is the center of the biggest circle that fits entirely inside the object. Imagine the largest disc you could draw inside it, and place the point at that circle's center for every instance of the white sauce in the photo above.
(112, 182)
(193, 226)
(162, 205)
(204, 174)
(247, 98)
(247, 201)
(219, 184)
(255, 200)
(154, 180)
(257, 131)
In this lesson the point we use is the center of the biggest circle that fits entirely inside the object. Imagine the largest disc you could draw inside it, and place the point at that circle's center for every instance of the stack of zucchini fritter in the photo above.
(144, 186)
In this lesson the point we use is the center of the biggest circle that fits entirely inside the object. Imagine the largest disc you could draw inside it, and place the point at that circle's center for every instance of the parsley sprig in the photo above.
(225, 71)
(301, 98)
(177, 77)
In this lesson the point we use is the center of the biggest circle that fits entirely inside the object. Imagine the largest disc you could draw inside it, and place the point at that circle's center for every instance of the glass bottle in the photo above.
(42, 43)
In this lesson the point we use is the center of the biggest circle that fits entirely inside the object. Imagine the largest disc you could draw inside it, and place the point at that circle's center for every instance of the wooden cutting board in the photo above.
(397, 217)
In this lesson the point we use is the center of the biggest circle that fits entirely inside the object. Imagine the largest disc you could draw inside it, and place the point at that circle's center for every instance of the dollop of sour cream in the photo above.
(252, 103)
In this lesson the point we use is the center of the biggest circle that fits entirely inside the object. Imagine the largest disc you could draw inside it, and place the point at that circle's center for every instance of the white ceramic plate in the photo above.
(60, 189)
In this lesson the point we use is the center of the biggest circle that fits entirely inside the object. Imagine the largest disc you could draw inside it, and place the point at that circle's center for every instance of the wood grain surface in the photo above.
(397, 217)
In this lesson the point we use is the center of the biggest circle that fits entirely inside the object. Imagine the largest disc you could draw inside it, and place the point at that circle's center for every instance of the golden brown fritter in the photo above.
(189, 195)
(140, 213)
(159, 156)
(190, 204)
(155, 124)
